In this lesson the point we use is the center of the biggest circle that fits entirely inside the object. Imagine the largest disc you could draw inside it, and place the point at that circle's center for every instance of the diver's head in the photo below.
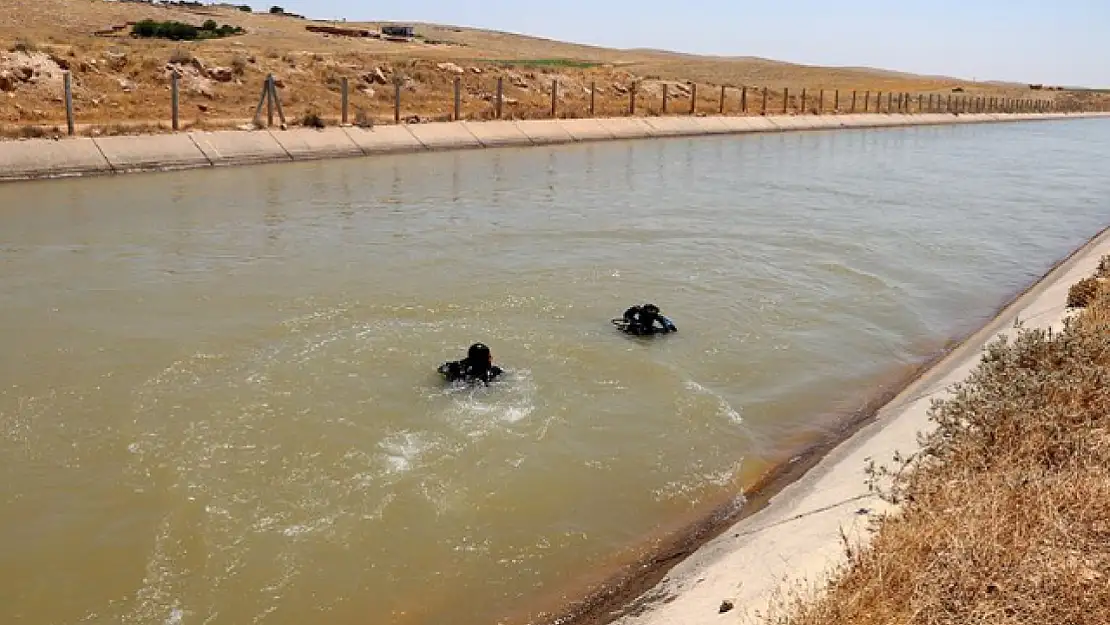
(478, 352)
(651, 309)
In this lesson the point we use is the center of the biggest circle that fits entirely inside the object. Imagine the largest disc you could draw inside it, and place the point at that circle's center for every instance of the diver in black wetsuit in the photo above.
(641, 321)
(477, 366)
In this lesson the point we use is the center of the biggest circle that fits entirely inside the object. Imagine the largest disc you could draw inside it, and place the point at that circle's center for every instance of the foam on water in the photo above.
(726, 410)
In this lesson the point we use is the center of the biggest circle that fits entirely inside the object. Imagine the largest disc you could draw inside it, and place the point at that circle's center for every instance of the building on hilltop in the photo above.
(394, 33)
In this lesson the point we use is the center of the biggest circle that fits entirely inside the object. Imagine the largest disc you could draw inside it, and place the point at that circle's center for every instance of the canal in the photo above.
(218, 398)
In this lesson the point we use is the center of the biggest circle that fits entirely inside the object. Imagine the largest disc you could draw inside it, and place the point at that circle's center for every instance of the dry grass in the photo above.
(1006, 515)
(119, 78)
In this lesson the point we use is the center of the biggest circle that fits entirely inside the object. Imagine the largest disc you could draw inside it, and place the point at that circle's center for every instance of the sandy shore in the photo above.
(796, 541)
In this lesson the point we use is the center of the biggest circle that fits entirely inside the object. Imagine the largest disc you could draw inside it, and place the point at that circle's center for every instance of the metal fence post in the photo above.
(269, 101)
(458, 98)
(174, 102)
(277, 101)
(554, 98)
(397, 102)
(344, 86)
(693, 98)
(785, 100)
(721, 109)
(68, 83)
(593, 91)
(499, 98)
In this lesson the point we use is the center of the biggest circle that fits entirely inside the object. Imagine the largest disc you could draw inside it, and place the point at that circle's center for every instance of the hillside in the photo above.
(121, 83)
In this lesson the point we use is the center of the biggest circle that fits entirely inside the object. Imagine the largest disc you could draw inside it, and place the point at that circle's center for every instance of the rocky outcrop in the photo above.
(221, 74)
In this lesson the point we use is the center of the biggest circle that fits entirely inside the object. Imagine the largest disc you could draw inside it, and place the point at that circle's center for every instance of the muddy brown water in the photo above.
(218, 402)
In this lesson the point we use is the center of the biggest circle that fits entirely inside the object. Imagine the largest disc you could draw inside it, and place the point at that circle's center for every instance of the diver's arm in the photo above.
(491, 374)
(450, 370)
(668, 325)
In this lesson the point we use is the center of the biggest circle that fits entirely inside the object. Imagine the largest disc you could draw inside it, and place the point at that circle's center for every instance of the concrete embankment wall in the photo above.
(48, 158)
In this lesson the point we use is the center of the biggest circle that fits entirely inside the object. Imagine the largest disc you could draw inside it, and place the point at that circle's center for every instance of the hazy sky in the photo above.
(1049, 41)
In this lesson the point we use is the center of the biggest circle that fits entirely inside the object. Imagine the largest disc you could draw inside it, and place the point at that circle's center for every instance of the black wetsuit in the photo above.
(642, 322)
(470, 371)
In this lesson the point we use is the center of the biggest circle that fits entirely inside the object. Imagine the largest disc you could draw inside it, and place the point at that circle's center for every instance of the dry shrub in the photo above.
(363, 119)
(31, 132)
(23, 44)
(181, 57)
(151, 66)
(239, 64)
(1081, 293)
(126, 129)
(312, 119)
(1104, 267)
(333, 81)
(1006, 513)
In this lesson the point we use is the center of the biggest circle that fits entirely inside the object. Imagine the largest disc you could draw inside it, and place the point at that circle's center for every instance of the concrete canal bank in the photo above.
(48, 158)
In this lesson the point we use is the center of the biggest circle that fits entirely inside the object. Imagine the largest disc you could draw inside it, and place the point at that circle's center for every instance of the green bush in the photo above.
(175, 31)
(178, 31)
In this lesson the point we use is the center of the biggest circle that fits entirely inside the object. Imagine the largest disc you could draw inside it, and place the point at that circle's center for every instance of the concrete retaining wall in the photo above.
(307, 144)
(587, 130)
(545, 131)
(497, 134)
(158, 152)
(238, 148)
(47, 158)
(384, 140)
(38, 158)
(445, 136)
(675, 126)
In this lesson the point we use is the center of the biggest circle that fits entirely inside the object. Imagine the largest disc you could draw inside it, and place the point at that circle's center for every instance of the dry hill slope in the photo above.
(118, 78)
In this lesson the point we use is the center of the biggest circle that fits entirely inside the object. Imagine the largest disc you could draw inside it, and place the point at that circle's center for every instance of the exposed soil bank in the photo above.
(48, 158)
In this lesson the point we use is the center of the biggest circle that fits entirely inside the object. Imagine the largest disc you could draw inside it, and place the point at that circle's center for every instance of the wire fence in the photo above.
(631, 99)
